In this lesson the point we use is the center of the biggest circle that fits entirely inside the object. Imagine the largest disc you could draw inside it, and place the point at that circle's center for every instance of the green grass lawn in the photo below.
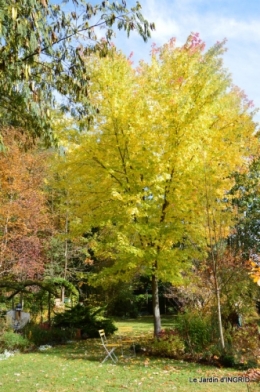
(145, 323)
(77, 367)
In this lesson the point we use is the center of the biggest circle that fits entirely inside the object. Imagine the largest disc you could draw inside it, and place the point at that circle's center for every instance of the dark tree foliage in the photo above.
(247, 204)
(41, 49)
(88, 319)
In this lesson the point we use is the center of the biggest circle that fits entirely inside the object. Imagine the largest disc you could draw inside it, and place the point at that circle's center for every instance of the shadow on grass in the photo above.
(147, 319)
(88, 352)
(91, 349)
(82, 349)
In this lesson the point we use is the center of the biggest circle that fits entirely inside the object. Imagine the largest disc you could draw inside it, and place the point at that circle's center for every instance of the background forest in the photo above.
(139, 194)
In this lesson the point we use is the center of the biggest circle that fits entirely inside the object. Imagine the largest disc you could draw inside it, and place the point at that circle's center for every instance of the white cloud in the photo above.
(214, 20)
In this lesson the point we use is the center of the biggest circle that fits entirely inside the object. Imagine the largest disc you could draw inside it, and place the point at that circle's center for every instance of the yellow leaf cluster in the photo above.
(156, 164)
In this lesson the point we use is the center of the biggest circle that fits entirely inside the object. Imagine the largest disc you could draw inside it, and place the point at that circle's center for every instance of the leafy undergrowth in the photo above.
(242, 354)
(77, 367)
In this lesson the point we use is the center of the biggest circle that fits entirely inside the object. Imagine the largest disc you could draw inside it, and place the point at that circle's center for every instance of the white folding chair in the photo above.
(108, 347)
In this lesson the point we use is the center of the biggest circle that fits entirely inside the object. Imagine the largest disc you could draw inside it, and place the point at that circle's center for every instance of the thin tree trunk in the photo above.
(66, 256)
(215, 257)
(49, 308)
(156, 307)
(66, 247)
(220, 326)
(5, 241)
(62, 294)
(217, 291)
(41, 310)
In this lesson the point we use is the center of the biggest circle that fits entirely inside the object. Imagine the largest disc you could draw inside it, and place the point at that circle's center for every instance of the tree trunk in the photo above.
(217, 291)
(66, 248)
(49, 308)
(66, 256)
(156, 307)
(213, 238)
(220, 326)
(62, 294)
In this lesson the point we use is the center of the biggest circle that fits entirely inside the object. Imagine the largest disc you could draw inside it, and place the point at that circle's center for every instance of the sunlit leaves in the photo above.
(42, 43)
(24, 221)
(165, 140)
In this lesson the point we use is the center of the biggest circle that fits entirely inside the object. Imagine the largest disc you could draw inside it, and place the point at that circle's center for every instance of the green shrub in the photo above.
(39, 336)
(169, 345)
(88, 319)
(196, 331)
(227, 360)
(12, 341)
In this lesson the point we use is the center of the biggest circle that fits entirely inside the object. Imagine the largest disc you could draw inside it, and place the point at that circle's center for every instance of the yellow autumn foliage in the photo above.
(155, 167)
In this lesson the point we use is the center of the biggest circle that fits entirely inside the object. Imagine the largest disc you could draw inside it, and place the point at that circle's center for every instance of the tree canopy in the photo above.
(157, 162)
(41, 48)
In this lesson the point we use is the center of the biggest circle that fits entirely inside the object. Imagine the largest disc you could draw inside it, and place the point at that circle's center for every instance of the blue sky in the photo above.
(236, 20)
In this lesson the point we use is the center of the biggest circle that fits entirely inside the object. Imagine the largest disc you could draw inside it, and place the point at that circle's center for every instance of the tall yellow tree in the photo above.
(139, 174)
